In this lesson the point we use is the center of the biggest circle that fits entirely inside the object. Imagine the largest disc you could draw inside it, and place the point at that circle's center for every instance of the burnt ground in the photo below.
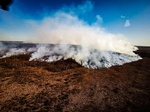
(65, 86)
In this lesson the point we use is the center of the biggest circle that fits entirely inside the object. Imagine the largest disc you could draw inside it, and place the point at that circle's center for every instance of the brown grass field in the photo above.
(65, 86)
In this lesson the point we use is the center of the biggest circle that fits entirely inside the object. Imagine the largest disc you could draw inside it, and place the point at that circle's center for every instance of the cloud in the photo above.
(123, 16)
(83, 8)
(99, 20)
(127, 23)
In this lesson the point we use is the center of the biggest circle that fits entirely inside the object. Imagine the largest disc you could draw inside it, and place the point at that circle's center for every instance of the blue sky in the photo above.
(128, 17)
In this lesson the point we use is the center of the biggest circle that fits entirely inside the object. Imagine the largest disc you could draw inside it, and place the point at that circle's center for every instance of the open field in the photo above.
(67, 86)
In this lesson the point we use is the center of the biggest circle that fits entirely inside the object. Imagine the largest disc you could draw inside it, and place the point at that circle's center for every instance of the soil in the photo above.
(65, 86)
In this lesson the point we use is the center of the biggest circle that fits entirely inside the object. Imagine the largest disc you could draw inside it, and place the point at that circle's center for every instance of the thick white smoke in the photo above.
(88, 44)
(87, 57)
(69, 29)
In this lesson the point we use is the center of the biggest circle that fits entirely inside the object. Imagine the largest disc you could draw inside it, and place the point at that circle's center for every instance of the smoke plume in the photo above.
(88, 44)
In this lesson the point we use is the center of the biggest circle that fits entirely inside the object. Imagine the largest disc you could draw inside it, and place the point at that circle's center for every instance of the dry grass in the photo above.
(66, 86)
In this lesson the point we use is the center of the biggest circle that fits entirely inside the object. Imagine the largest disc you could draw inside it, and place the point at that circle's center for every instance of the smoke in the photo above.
(127, 23)
(87, 57)
(14, 51)
(8, 48)
(69, 29)
(88, 44)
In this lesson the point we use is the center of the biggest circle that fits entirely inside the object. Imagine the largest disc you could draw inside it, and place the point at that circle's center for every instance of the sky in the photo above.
(130, 18)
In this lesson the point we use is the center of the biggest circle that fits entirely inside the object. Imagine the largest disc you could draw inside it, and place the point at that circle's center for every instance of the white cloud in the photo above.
(123, 16)
(85, 7)
(127, 23)
(99, 19)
